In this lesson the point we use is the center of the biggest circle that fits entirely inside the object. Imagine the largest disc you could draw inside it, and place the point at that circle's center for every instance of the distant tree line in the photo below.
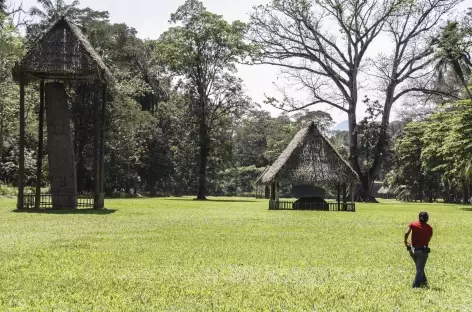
(433, 154)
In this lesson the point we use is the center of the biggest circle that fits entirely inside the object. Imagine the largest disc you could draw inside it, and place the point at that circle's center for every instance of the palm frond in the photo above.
(36, 12)
(47, 4)
(468, 170)
(68, 8)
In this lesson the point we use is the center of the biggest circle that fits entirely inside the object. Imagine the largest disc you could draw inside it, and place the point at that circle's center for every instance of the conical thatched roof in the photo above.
(310, 159)
(63, 52)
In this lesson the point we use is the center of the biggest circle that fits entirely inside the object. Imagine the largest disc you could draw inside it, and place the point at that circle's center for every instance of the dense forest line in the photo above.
(180, 122)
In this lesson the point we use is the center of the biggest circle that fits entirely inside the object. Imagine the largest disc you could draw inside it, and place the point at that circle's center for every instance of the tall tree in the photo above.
(299, 37)
(410, 27)
(323, 44)
(203, 49)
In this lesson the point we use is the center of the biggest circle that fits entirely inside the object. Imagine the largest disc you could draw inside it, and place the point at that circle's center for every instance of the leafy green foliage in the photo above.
(433, 156)
(11, 50)
(238, 181)
(250, 140)
(408, 163)
(203, 46)
(453, 46)
(369, 132)
(202, 50)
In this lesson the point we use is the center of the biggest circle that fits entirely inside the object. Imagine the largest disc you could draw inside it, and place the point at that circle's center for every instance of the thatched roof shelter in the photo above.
(310, 159)
(62, 52)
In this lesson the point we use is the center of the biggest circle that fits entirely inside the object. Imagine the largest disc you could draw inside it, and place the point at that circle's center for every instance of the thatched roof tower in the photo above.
(62, 52)
(310, 159)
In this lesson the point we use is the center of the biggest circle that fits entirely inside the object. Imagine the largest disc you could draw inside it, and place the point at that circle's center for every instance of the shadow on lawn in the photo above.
(466, 209)
(68, 212)
(216, 200)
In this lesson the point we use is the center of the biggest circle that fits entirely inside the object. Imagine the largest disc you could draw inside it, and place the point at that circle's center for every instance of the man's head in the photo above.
(424, 217)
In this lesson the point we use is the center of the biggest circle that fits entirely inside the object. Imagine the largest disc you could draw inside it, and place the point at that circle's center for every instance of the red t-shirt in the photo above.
(421, 234)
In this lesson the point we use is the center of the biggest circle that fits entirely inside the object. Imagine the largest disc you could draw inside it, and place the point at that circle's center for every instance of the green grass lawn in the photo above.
(230, 255)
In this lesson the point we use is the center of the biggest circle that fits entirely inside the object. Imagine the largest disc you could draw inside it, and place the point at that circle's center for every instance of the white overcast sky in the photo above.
(150, 19)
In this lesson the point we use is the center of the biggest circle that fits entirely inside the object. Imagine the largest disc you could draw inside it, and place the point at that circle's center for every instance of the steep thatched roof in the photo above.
(63, 52)
(310, 159)
(258, 180)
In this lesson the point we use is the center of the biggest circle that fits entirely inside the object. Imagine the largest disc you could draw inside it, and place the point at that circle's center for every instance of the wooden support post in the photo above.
(266, 192)
(21, 165)
(277, 190)
(272, 205)
(39, 164)
(352, 188)
(102, 145)
(353, 205)
(338, 187)
(344, 197)
(96, 149)
(272, 191)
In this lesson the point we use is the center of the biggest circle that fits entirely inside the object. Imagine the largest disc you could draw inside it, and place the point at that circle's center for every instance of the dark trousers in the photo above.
(419, 257)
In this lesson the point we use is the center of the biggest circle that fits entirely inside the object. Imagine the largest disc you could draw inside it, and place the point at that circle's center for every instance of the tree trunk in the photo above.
(421, 191)
(453, 193)
(465, 192)
(21, 160)
(431, 191)
(446, 191)
(367, 189)
(272, 191)
(380, 148)
(353, 155)
(366, 177)
(62, 170)
(458, 70)
(204, 152)
(266, 192)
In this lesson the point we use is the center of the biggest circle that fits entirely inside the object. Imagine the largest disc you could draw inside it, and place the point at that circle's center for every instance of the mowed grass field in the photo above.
(230, 255)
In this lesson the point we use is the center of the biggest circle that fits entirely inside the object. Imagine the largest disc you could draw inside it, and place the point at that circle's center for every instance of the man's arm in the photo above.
(407, 233)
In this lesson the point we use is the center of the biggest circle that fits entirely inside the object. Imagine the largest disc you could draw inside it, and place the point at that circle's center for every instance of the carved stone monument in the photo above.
(62, 170)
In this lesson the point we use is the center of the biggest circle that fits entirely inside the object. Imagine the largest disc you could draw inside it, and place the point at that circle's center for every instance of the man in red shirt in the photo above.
(419, 250)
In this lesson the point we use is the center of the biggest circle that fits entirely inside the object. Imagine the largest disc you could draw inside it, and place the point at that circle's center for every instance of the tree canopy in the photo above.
(180, 121)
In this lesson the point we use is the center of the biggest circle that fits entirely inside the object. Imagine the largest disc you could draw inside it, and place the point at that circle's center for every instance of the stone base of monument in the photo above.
(46, 202)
